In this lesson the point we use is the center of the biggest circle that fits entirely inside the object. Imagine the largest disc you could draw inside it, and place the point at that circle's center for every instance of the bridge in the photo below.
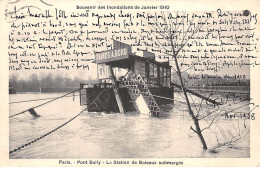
(220, 89)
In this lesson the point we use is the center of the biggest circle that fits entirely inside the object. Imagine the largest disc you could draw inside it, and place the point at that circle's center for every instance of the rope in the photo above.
(168, 98)
(24, 101)
(50, 132)
(44, 103)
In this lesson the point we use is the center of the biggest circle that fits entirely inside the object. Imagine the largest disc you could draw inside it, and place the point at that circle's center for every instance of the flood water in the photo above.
(115, 135)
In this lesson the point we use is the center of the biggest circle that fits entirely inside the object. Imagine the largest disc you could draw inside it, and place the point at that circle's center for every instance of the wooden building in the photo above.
(145, 77)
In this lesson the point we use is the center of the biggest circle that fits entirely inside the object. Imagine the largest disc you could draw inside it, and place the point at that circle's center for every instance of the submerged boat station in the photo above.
(144, 87)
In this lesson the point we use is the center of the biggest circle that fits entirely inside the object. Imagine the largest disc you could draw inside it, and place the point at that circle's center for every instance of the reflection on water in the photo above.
(101, 135)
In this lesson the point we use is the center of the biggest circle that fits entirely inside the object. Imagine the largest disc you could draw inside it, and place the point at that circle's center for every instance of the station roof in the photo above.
(128, 62)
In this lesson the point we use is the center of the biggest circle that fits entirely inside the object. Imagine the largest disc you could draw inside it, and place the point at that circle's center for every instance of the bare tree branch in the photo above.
(193, 129)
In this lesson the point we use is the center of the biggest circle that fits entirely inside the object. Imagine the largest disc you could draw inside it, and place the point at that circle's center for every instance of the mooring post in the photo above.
(32, 112)
(115, 89)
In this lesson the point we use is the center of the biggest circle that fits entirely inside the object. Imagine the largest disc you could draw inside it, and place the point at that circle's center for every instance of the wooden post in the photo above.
(97, 72)
(115, 88)
(32, 111)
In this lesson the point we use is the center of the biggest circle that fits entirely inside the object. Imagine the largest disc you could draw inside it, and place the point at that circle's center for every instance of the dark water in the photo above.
(101, 135)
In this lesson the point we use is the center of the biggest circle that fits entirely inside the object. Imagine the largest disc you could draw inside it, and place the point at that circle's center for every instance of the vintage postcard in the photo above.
(129, 83)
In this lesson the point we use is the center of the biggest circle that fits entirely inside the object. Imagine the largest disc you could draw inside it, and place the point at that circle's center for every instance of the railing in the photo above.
(221, 88)
(97, 85)
(136, 86)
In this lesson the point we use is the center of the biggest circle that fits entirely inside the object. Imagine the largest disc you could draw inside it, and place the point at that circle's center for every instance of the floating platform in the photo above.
(98, 98)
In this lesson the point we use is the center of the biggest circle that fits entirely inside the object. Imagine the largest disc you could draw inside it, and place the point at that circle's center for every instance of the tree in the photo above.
(33, 83)
(173, 32)
(13, 80)
(47, 81)
(58, 81)
(170, 32)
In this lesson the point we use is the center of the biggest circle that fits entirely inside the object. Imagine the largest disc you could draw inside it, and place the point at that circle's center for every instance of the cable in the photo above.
(45, 103)
(31, 142)
(24, 101)
(169, 99)
(50, 132)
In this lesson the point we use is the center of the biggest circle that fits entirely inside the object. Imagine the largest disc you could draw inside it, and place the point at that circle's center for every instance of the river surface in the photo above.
(115, 135)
